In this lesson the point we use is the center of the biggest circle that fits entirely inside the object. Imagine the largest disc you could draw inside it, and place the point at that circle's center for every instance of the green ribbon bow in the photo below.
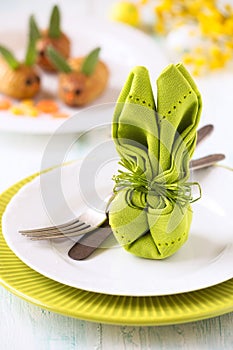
(150, 213)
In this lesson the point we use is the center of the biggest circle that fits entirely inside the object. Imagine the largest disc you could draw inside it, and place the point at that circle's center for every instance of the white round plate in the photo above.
(119, 49)
(204, 260)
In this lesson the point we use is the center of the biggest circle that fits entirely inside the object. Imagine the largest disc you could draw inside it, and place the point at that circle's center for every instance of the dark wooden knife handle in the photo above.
(90, 242)
(206, 161)
(203, 132)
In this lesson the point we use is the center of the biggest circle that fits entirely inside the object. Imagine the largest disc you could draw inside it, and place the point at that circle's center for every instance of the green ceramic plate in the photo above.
(159, 310)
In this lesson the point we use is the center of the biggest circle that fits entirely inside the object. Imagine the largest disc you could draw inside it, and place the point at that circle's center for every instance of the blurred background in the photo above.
(153, 33)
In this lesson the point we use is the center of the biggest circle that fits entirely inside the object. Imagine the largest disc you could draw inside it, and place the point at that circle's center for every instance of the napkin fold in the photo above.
(150, 213)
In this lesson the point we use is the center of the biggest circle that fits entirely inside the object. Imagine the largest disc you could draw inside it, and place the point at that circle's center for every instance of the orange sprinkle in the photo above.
(60, 115)
(70, 96)
(5, 104)
(16, 110)
(47, 106)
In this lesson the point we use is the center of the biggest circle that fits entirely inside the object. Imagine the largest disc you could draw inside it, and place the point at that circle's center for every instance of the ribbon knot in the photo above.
(179, 192)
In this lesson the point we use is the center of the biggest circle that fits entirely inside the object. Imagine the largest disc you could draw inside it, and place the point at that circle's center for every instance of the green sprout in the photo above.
(9, 58)
(58, 60)
(90, 62)
(34, 35)
(54, 24)
(88, 65)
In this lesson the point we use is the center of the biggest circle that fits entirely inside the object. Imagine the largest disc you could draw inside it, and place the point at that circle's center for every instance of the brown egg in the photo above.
(20, 83)
(78, 89)
(61, 44)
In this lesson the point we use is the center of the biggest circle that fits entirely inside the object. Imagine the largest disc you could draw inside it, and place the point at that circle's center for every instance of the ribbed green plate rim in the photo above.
(123, 310)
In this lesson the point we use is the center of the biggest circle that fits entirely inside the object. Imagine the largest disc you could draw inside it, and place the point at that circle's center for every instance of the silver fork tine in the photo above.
(75, 233)
(86, 222)
(51, 228)
(58, 232)
(61, 234)
(54, 230)
(58, 228)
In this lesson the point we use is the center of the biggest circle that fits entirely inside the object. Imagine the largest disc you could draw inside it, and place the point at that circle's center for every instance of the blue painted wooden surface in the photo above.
(25, 326)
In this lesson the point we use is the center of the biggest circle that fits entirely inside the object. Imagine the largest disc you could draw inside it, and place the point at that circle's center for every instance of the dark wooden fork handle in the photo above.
(90, 242)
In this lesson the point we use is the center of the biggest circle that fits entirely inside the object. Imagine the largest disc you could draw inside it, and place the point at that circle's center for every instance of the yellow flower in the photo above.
(126, 12)
(200, 61)
(198, 49)
(187, 58)
(196, 72)
(215, 25)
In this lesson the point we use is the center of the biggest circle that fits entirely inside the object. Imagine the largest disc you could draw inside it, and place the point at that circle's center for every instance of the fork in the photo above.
(84, 223)
(91, 219)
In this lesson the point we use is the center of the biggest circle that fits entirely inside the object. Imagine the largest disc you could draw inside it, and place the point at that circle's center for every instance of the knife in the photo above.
(90, 242)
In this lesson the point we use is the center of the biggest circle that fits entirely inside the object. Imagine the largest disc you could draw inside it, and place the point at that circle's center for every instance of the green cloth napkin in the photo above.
(150, 214)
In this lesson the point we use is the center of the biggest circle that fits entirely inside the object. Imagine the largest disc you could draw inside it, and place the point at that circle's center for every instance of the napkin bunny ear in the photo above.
(179, 109)
(134, 128)
(157, 143)
(187, 134)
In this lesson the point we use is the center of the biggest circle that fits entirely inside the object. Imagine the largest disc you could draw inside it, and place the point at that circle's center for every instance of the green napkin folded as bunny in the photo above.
(150, 213)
